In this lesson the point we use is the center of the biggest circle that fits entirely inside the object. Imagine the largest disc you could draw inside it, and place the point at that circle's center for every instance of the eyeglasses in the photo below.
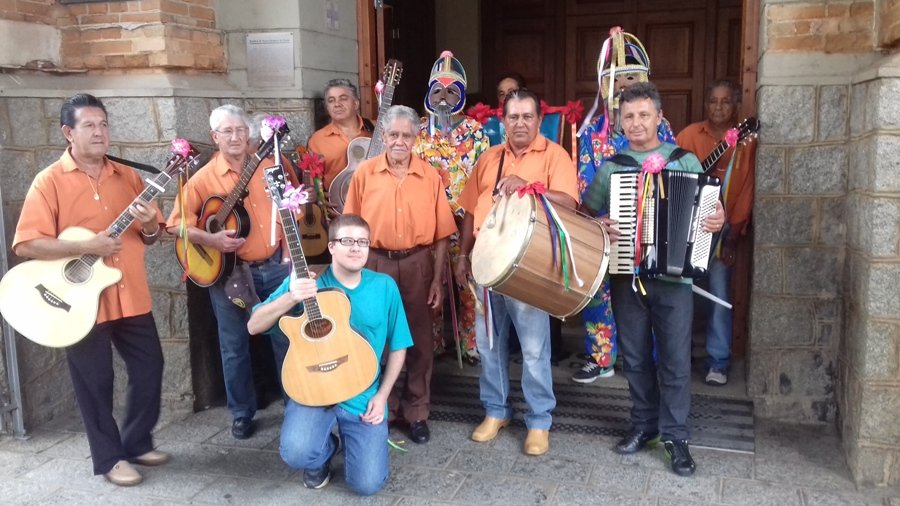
(349, 241)
(229, 132)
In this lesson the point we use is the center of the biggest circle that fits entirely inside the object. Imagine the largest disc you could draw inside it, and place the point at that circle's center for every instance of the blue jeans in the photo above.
(718, 328)
(234, 340)
(533, 329)
(306, 444)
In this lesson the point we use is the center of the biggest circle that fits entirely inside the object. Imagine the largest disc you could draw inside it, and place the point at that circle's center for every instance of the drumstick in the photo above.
(479, 307)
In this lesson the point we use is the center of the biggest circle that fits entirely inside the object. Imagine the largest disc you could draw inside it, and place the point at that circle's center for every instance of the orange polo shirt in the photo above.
(217, 178)
(331, 143)
(62, 196)
(542, 161)
(402, 213)
(698, 138)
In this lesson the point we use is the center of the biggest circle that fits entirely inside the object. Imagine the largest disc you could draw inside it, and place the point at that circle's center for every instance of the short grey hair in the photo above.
(341, 83)
(400, 112)
(224, 111)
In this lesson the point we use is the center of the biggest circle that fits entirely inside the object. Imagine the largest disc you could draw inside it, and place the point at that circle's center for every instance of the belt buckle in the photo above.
(395, 254)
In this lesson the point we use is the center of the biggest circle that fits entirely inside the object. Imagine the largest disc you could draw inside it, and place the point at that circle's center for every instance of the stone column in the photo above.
(869, 359)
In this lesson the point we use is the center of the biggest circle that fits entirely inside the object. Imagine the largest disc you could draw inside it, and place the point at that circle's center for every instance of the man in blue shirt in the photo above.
(377, 313)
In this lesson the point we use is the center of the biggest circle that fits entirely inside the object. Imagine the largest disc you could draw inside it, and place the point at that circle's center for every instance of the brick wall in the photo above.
(889, 23)
(115, 36)
(832, 27)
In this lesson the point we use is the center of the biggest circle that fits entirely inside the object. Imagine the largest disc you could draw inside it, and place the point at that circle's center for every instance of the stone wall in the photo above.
(869, 359)
(141, 128)
(825, 318)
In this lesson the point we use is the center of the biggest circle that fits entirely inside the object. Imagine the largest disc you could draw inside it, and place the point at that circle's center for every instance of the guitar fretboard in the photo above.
(376, 145)
(251, 162)
(301, 269)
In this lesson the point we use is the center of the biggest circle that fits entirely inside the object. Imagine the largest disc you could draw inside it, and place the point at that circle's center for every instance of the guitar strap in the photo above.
(136, 165)
(368, 126)
(629, 161)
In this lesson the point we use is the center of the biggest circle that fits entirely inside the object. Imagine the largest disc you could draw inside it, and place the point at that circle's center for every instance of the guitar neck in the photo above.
(713, 157)
(301, 269)
(376, 145)
(251, 162)
(118, 227)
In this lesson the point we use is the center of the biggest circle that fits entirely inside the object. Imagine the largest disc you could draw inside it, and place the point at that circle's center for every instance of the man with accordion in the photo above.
(647, 301)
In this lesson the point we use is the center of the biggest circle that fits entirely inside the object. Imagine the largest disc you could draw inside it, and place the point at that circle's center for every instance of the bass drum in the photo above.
(513, 255)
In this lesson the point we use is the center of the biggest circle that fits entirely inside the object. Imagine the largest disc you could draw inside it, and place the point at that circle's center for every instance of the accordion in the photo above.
(672, 240)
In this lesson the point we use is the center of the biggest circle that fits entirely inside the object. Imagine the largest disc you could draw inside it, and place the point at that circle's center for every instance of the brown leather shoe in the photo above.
(537, 442)
(152, 458)
(488, 429)
(123, 475)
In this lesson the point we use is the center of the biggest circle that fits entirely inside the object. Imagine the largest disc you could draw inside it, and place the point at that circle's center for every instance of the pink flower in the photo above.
(379, 87)
(181, 147)
(654, 164)
(731, 136)
(271, 124)
(293, 198)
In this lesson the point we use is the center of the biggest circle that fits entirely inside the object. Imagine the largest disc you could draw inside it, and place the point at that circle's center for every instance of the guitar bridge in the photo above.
(327, 366)
(52, 299)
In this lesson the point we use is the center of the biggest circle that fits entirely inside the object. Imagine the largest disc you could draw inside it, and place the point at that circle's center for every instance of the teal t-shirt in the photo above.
(376, 312)
(597, 194)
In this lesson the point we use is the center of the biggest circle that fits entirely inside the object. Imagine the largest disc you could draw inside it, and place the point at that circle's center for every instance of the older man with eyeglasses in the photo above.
(265, 259)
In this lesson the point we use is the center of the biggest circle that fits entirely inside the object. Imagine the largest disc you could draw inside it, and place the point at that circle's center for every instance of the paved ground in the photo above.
(792, 466)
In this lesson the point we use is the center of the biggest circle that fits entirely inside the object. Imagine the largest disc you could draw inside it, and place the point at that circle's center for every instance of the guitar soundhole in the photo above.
(318, 328)
(358, 152)
(76, 271)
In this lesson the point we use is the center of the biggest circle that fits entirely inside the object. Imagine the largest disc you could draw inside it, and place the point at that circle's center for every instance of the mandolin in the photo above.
(363, 148)
(203, 265)
(327, 361)
(55, 302)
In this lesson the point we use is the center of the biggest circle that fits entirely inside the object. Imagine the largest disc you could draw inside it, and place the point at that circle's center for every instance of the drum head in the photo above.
(502, 239)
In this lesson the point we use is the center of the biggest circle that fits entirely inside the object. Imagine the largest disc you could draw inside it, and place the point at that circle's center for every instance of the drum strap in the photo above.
(499, 173)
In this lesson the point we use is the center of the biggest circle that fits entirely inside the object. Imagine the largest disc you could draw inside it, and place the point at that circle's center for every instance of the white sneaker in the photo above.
(716, 377)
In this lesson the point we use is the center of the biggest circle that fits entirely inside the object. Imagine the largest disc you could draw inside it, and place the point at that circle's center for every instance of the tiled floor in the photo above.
(792, 466)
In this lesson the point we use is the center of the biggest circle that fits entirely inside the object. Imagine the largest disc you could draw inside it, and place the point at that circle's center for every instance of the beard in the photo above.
(442, 116)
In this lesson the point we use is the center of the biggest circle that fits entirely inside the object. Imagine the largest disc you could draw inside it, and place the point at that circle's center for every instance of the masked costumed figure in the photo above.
(623, 61)
(451, 143)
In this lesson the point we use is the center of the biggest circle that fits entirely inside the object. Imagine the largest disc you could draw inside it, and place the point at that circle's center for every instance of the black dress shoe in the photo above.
(678, 452)
(635, 440)
(242, 428)
(418, 432)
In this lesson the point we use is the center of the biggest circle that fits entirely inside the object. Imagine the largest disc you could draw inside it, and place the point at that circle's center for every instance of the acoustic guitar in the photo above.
(363, 148)
(55, 302)
(203, 265)
(327, 361)
(313, 228)
(747, 127)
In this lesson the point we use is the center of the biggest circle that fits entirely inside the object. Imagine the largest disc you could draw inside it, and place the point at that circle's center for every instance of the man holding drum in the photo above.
(527, 158)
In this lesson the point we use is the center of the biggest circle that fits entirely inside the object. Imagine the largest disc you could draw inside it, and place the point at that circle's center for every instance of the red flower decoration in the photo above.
(545, 108)
(181, 147)
(480, 112)
(731, 136)
(312, 163)
(574, 111)
(535, 188)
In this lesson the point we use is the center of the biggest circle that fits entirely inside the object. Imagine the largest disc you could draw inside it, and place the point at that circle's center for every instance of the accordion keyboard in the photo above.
(623, 209)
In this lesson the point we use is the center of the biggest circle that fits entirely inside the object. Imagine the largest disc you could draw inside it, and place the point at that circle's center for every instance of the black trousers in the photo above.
(91, 366)
(661, 391)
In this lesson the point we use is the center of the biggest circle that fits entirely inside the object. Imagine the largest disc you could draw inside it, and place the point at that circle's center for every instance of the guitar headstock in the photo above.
(393, 70)
(276, 183)
(272, 125)
(747, 127)
(183, 154)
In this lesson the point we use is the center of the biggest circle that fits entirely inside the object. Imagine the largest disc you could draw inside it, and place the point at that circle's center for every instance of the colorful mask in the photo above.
(447, 72)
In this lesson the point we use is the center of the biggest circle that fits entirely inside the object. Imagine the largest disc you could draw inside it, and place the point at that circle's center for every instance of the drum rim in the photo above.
(505, 275)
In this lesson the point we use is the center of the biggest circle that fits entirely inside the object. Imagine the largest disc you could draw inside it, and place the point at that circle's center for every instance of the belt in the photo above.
(399, 254)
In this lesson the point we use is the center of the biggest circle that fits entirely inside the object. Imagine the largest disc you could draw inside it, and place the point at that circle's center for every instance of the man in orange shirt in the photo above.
(267, 261)
(526, 157)
(84, 188)
(331, 141)
(403, 200)
(723, 99)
